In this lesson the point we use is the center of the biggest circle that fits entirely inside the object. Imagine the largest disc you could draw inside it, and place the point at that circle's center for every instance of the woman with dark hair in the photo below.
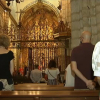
(52, 72)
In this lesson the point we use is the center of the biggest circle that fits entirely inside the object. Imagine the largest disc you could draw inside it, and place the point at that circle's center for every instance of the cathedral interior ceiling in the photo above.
(37, 11)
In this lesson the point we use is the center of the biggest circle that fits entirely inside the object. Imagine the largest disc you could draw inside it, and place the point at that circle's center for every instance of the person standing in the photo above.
(6, 64)
(81, 62)
(36, 75)
(52, 73)
(69, 77)
(96, 61)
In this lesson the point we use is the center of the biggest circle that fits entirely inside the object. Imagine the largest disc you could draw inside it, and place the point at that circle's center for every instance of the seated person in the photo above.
(36, 75)
(69, 77)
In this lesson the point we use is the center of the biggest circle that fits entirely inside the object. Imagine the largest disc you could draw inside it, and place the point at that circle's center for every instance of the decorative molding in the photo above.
(62, 35)
(9, 11)
(36, 40)
(46, 3)
(12, 19)
(4, 7)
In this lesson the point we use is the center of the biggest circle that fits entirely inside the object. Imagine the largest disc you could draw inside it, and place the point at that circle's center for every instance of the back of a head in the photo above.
(4, 40)
(36, 66)
(86, 35)
(52, 63)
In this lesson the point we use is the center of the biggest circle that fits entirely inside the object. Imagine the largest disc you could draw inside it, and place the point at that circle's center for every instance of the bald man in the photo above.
(81, 62)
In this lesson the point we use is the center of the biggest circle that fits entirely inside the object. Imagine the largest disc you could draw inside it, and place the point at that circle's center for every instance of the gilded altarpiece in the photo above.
(40, 34)
(37, 34)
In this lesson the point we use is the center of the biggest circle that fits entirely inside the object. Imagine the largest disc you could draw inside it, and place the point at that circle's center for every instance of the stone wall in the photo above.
(85, 16)
(66, 17)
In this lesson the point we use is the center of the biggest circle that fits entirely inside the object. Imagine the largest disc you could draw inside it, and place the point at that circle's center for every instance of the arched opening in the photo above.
(36, 42)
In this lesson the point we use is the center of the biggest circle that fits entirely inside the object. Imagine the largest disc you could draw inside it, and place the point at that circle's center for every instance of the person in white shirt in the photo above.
(69, 77)
(52, 72)
(36, 75)
(96, 61)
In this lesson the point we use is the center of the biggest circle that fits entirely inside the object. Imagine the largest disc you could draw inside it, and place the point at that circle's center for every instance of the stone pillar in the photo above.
(66, 11)
(93, 20)
(85, 17)
(75, 23)
(97, 26)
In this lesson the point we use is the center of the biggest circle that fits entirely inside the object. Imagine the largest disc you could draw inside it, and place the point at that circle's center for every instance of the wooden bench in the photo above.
(49, 95)
(50, 88)
(39, 87)
(38, 84)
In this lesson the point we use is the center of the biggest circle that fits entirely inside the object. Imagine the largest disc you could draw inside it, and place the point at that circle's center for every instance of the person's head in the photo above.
(52, 64)
(85, 37)
(4, 41)
(36, 66)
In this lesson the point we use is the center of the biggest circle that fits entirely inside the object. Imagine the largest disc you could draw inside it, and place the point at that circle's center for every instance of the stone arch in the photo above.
(45, 3)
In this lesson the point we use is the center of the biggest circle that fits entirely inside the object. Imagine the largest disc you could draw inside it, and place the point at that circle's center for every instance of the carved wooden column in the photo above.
(62, 33)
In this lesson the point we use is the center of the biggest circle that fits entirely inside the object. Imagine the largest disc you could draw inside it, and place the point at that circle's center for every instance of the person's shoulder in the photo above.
(68, 67)
(76, 48)
(53, 69)
(57, 69)
(33, 71)
(92, 46)
(97, 44)
(10, 52)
